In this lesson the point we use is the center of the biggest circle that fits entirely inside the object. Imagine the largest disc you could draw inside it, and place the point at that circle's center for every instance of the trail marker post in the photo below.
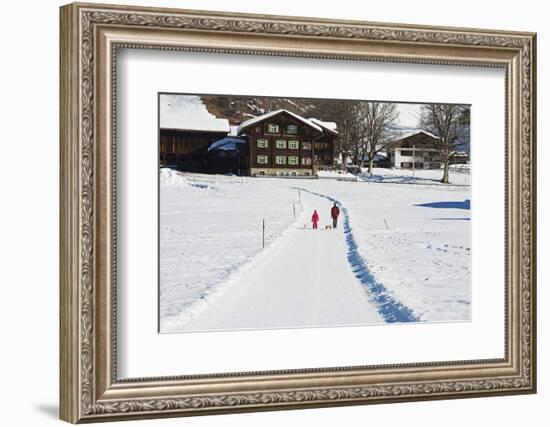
(263, 233)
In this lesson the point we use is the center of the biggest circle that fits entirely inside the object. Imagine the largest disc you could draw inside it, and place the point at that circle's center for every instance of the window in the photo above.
(293, 129)
(261, 143)
(258, 129)
(292, 160)
(273, 128)
(407, 153)
(280, 143)
(306, 161)
(280, 160)
(293, 173)
(262, 173)
(293, 144)
(261, 159)
(306, 145)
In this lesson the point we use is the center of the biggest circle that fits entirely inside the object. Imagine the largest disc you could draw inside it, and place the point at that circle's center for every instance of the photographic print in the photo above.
(284, 212)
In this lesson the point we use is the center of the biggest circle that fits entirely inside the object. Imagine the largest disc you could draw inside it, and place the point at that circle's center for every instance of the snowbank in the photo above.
(336, 175)
(170, 178)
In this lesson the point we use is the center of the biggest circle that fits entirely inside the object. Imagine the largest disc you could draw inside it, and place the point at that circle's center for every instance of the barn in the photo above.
(187, 130)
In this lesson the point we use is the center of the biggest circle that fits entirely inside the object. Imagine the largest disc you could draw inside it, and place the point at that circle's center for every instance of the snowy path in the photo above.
(305, 279)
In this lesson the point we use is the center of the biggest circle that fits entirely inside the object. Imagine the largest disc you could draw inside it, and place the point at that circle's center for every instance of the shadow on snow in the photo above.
(391, 310)
(446, 205)
(397, 179)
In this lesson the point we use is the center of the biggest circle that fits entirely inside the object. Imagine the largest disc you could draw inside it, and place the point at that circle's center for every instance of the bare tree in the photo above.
(450, 123)
(354, 135)
(364, 128)
(380, 118)
(346, 115)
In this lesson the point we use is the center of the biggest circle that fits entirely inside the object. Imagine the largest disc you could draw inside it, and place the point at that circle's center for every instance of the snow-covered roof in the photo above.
(331, 126)
(257, 119)
(229, 143)
(406, 132)
(188, 112)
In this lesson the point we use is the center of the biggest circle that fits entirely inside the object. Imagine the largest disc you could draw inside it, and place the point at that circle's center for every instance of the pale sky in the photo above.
(409, 114)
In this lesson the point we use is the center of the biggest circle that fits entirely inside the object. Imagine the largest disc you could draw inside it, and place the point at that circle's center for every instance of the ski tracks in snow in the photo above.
(391, 310)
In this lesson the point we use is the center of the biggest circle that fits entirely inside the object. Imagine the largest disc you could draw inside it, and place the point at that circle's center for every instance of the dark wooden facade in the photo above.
(186, 149)
(323, 149)
(282, 144)
(230, 155)
(228, 162)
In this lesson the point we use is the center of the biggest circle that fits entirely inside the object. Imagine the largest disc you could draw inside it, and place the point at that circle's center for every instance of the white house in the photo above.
(416, 148)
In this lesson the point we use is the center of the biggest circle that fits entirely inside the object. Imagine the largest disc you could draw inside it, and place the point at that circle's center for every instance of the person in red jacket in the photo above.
(315, 219)
(334, 212)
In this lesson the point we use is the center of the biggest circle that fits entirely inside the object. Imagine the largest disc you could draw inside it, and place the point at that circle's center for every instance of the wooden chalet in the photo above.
(282, 143)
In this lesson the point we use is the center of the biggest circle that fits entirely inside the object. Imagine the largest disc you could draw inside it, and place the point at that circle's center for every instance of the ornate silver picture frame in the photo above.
(91, 36)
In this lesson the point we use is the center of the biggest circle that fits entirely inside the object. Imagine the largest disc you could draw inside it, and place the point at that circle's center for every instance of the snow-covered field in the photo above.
(400, 253)
(420, 176)
(209, 227)
(416, 241)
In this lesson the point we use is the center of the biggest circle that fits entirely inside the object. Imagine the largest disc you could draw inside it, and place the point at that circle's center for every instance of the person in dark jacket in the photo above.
(334, 212)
